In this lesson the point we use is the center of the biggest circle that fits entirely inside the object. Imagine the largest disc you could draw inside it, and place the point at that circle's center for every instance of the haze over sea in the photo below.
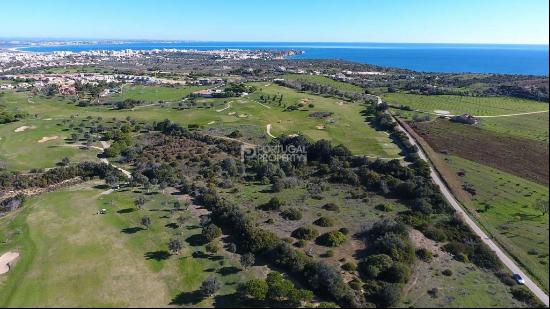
(453, 58)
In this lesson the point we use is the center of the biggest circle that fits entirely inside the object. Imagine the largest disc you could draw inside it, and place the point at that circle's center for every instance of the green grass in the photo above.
(154, 93)
(322, 80)
(72, 257)
(510, 217)
(528, 126)
(346, 127)
(478, 106)
(21, 151)
(468, 287)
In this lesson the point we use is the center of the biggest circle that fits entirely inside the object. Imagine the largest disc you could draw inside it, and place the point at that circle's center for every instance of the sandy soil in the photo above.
(320, 127)
(23, 128)
(6, 260)
(48, 138)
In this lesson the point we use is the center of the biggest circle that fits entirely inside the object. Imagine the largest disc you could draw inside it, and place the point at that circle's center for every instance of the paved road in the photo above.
(508, 262)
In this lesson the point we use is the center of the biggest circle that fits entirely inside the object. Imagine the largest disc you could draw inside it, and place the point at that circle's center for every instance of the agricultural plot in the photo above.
(456, 105)
(70, 255)
(322, 80)
(505, 206)
(522, 157)
(533, 126)
(154, 94)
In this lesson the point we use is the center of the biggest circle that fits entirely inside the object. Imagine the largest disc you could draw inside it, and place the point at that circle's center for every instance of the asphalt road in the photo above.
(508, 262)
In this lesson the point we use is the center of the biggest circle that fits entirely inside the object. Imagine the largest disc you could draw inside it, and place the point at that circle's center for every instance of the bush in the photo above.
(397, 273)
(331, 207)
(291, 214)
(305, 233)
(273, 204)
(385, 207)
(424, 255)
(324, 222)
(332, 239)
(447, 272)
(372, 266)
(349, 266)
(211, 232)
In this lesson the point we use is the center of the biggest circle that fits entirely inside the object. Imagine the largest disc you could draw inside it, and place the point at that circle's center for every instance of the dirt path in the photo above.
(512, 115)
(105, 160)
(268, 107)
(508, 262)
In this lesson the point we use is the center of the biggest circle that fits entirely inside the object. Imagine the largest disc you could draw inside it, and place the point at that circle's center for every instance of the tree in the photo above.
(211, 232)
(247, 260)
(175, 245)
(256, 289)
(146, 221)
(111, 181)
(279, 287)
(65, 161)
(212, 248)
(139, 202)
(542, 206)
(209, 286)
(181, 221)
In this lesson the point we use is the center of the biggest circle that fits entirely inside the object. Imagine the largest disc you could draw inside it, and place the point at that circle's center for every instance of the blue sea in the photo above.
(452, 58)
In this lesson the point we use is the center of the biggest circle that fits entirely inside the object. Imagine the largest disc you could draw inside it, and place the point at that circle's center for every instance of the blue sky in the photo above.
(415, 21)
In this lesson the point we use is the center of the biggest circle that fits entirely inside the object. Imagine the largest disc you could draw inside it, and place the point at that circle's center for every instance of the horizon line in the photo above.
(252, 41)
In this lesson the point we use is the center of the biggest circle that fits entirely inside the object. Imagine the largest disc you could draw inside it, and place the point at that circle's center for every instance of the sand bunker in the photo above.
(211, 122)
(23, 128)
(231, 113)
(441, 112)
(320, 127)
(6, 261)
(48, 138)
(243, 116)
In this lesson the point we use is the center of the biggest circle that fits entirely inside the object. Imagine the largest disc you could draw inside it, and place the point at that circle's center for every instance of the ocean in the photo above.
(450, 58)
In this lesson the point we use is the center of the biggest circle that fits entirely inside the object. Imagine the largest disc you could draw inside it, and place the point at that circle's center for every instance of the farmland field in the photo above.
(71, 256)
(522, 157)
(322, 80)
(477, 106)
(154, 94)
(504, 205)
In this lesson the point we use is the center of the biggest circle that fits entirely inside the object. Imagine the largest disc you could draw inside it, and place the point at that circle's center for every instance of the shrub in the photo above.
(385, 207)
(372, 266)
(356, 284)
(324, 222)
(447, 272)
(273, 204)
(211, 232)
(329, 253)
(291, 214)
(305, 233)
(209, 287)
(332, 239)
(331, 207)
(349, 266)
(397, 273)
(424, 255)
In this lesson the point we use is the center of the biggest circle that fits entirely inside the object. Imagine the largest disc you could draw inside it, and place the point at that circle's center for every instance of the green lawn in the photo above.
(504, 206)
(154, 93)
(346, 126)
(533, 126)
(478, 106)
(22, 151)
(71, 256)
(322, 80)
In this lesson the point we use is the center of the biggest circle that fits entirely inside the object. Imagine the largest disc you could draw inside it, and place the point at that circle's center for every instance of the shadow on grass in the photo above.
(132, 230)
(171, 226)
(230, 270)
(187, 298)
(161, 255)
(126, 211)
(196, 240)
